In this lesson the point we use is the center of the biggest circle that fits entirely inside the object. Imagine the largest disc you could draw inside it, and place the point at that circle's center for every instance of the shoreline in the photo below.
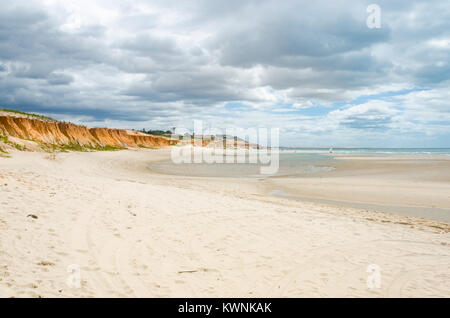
(405, 185)
(386, 184)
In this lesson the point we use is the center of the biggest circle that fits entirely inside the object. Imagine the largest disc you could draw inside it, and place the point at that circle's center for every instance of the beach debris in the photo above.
(33, 216)
(190, 271)
(45, 263)
(194, 271)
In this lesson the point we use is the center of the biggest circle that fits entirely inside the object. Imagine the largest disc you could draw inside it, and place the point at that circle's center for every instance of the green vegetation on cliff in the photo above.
(26, 114)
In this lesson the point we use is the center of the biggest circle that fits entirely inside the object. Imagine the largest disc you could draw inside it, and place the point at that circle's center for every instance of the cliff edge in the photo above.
(51, 134)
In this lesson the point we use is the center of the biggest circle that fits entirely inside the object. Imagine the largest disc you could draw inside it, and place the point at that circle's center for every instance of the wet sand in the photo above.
(414, 186)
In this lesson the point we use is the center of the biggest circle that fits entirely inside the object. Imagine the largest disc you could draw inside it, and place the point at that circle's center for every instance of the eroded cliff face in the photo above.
(66, 134)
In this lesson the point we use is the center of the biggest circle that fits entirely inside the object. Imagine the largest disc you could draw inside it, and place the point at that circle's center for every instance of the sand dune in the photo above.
(135, 233)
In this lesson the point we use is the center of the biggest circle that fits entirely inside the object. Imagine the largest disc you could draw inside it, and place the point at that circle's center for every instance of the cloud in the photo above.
(368, 116)
(294, 64)
(282, 36)
(60, 79)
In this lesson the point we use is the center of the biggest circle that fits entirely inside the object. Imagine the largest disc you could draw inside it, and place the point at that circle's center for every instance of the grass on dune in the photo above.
(147, 147)
(57, 148)
(5, 140)
(19, 147)
(26, 114)
(80, 148)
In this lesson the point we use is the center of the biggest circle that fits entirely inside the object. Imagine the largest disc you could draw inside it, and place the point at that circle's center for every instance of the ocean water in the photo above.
(375, 151)
(292, 162)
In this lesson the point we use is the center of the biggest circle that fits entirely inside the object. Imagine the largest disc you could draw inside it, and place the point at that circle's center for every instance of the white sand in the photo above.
(136, 233)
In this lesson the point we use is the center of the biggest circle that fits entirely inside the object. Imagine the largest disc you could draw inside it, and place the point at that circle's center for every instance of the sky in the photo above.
(313, 69)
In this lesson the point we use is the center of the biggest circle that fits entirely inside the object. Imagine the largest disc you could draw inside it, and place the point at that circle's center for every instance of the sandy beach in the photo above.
(130, 232)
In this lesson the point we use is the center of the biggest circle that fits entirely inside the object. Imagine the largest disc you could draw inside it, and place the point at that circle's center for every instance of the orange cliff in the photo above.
(61, 133)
